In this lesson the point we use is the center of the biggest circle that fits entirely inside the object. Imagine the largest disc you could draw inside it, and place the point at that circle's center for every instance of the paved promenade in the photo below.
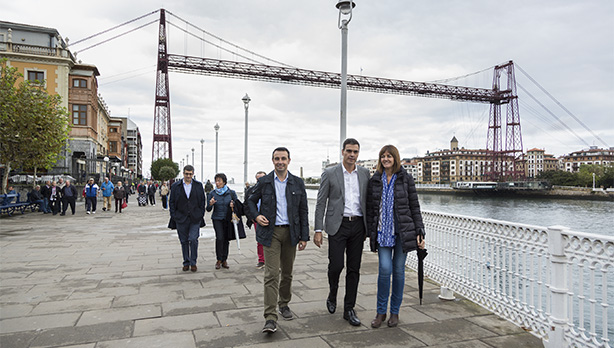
(114, 280)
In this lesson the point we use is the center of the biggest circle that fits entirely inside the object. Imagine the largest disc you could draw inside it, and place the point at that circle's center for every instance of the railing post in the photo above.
(558, 288)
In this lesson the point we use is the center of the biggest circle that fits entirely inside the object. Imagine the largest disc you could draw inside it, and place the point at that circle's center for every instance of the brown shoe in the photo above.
(377, 322)
(225, 265)
(218, 264)
(394, 320)
(186, 268)
(193, 268)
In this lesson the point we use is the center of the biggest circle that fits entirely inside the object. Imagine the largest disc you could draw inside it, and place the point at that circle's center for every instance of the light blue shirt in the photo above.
(282, 205)
(187, 188)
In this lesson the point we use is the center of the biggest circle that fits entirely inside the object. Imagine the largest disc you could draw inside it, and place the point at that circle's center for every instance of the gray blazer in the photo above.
(331, 197)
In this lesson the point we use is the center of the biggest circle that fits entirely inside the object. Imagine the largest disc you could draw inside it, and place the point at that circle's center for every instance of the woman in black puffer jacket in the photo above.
(395, 227)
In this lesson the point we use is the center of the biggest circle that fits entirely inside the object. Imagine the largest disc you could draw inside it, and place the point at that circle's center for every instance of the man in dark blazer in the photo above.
(282, 220)
(343, 195)
(151, 192)
(187, 209)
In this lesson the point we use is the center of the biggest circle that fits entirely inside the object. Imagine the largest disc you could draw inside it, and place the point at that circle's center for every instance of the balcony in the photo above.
(35, 50)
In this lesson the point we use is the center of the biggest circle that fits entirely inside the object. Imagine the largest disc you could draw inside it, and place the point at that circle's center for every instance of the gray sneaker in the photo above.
(269, 327)
(286, 313)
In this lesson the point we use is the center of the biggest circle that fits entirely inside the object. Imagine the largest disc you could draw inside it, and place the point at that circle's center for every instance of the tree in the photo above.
(163, 162)
(34, 126)
(559, 177)
(166, 173)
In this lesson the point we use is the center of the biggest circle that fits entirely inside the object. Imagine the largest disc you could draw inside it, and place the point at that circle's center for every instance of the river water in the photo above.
(576, 214)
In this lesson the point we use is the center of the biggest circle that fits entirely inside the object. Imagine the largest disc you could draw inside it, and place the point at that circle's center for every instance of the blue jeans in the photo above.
(188, 236)
(391, 262)
(46, 208)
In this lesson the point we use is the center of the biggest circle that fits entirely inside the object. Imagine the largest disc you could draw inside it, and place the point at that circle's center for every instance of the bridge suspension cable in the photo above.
(224, 41)
(562, 107)
(116, 36)
(115, 27)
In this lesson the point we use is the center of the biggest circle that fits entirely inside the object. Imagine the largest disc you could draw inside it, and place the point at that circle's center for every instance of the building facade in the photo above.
(593, 155)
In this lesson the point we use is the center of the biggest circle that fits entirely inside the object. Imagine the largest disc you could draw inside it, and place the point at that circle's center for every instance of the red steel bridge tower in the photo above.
(162, 139)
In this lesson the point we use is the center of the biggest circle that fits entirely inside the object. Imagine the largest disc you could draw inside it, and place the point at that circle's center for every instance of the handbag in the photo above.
(124, 205)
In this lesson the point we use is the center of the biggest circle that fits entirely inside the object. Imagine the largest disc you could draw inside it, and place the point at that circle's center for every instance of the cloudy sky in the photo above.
(567, 46)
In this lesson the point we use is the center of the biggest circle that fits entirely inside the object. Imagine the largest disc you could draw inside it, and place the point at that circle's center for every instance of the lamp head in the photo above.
(345, 6)
(246, 99)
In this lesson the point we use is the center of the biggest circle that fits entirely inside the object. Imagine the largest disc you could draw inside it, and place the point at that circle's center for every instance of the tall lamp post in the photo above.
(193, 164)
(345, 16)
(217, 128)
(202, 173)
(246, 101)
(106, 166)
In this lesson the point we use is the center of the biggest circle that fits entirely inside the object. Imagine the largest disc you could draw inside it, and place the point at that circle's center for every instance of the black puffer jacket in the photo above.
(407, 216)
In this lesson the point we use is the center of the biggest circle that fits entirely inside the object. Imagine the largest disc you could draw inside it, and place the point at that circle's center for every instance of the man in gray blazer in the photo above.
(343, 195)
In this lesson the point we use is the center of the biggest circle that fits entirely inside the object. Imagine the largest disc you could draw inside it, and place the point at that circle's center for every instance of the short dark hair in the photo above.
(281, 148)
(221, 176)
(350, 141)
(188, 168)
(391, 149)
(260, 172)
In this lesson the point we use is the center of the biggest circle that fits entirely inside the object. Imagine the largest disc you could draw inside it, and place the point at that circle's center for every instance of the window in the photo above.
(36, 75)
(113, 130)
(79, 83)
(112, 146)
(79, 114)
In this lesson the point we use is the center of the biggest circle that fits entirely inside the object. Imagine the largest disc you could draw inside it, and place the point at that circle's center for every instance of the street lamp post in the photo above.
(246, 101)
(193, 164)
(217, 128)
(202, 173)
(106, 166)
(593, 181)
(345, 16)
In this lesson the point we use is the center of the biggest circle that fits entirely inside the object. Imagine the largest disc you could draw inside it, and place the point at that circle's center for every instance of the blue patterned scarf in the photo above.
(221, 191)
(385, 237)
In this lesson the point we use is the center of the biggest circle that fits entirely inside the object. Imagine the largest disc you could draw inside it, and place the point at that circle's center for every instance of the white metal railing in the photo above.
(433, 186)
(555, 283)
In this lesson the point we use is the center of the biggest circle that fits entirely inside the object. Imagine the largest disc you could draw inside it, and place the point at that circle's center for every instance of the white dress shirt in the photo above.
(352, 193)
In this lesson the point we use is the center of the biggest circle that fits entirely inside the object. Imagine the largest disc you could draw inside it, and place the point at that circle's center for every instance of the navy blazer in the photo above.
(296, 197)
(184, 210)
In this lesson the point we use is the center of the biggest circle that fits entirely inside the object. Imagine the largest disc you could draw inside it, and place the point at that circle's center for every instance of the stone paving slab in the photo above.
(112, 280)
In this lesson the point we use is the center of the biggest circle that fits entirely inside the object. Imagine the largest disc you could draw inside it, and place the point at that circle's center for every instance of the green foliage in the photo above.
(33, 125)
(604, 176)
(559, 177)
(166, 173)
(157, 165)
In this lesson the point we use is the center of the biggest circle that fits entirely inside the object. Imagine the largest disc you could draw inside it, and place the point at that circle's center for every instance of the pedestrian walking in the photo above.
(395, 227)
(69, 197)
(107, 188)
(259, 249)
(282, 225)
(151, 193)
(91, 196)
(343, 194)
(128, 191)
(187, 210)
(164, 195)
(119, 193)
(221, 200)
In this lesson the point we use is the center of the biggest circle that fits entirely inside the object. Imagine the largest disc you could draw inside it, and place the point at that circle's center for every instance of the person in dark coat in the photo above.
(37, 198)
(46, 192)
(249, 223)
(221, 201)
(282, 220)
(151, 193)
(187, 210)
(55, 198)
(69, 196)
(395, 227)
(119, 193)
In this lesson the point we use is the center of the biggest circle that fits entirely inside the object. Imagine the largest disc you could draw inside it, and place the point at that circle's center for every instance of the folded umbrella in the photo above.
(235, 222)
(421, 255)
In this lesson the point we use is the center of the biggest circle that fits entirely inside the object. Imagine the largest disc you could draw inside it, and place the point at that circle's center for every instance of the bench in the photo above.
(10, 208)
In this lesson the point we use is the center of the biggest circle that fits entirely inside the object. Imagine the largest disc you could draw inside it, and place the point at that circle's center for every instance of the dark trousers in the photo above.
(164, 202)
(118, 203)
(55, 206)
(152, 199)
(221, 240)
(188, 234)
(90, 203)
(68, 201)
(348, 240)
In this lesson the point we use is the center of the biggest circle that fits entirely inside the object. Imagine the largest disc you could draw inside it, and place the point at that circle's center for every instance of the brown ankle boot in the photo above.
(394, 320)
(225, 264)
(218, 264)
(377, 322)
